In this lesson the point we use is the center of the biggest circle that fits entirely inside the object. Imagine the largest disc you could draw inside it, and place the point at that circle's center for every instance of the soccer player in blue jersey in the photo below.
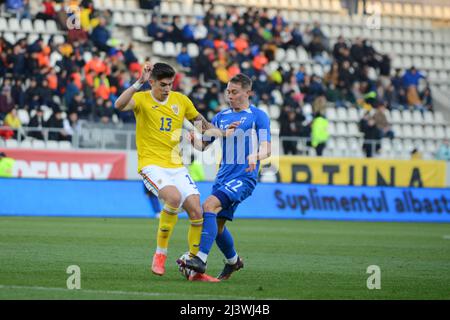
(237, 176)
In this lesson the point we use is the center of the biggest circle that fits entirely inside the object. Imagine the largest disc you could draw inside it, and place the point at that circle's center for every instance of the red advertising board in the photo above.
(68, 164)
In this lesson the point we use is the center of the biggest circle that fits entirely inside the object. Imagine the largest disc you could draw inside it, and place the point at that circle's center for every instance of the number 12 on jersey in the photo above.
(166, 124)
(233, 185)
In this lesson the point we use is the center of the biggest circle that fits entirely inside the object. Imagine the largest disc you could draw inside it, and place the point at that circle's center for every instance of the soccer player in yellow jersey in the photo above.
(159, 116)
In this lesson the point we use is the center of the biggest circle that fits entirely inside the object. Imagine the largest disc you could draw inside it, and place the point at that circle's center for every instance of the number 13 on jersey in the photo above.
(166, 124)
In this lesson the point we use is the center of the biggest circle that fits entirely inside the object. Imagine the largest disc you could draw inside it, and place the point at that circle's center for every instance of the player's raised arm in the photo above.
(206, 127)
(125, 101)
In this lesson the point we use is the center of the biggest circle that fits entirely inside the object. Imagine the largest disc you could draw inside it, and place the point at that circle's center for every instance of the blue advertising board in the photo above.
(87, 198)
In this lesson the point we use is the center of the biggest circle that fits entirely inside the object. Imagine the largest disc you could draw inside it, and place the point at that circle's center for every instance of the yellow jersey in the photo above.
(158, 128)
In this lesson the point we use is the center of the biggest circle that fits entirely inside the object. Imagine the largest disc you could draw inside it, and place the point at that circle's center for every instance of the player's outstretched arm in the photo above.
(206, 127)
(264, 151)
(125, 101)
(198, 144)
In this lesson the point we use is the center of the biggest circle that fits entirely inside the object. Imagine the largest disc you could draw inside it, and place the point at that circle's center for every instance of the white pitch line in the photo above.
(446, 237)
(133, 293)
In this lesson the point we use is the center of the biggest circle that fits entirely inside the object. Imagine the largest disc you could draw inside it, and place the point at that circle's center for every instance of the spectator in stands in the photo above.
(184, 59)
(54, 123)
(290, 128)
(381, 121)
(37, 121)
(71, 125)
(411, 80)
(105, 112)
(427, 100)
(18, 94)
(443, 151)
(371, 144)
(211, 98)
(12, 121)
(416, 154)
(188, 31)
(318, 51)
(100, 36)
(79, 106)
(48, 11)
(200, 32)
(319, 133)
(21, 8)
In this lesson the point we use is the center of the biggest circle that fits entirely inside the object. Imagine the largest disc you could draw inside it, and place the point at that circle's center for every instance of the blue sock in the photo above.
(209, 232)
(225, 243)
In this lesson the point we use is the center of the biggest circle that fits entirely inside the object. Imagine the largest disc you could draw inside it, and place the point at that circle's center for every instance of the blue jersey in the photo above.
(253, 129)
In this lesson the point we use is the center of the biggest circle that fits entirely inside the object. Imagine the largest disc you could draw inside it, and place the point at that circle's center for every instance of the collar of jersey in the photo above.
(160, 102)
(248, 110)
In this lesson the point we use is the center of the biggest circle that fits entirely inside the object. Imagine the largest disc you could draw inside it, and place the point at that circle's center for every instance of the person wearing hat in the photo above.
(6, 166)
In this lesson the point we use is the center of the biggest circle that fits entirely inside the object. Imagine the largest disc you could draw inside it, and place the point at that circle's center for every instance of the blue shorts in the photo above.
(231, 194)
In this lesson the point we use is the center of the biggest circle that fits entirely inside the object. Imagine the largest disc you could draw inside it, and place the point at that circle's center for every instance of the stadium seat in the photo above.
(396, 116)
(128, 19)
(430, 147)
(64, 145)
(274, 111)
(39, 26)
(193, 50)
(341, 114)
(170, 49)
(280, 54)
(397, 128)
(302, 55)
(438, 117)
(27, 25)
(51, 26)
(353, 130)
(9, 37)
(53, 145)
(274, 125)
(158, 48)
(11, 143)
(26, 144)
(439, 132)
(291, 55)
(406, 116)
(331, 114)
(407, 131)
(23, 116)
(417, 117)
(353, 115)
(418, 131)
(264, 108)
(38, 144)
(332, 129)
(341, 129)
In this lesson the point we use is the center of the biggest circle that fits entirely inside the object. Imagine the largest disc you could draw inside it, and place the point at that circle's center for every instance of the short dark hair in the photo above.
(162, 71)
(243, 80)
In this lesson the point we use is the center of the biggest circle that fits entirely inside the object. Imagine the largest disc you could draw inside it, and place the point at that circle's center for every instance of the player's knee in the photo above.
(209, 207)
(196, 213)
(173, 199)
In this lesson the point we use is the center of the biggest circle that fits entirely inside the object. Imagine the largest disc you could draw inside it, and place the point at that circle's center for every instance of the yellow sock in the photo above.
(167, 220)
(194, 235)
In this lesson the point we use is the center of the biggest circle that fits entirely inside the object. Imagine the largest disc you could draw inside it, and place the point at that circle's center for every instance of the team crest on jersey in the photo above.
(175, 109)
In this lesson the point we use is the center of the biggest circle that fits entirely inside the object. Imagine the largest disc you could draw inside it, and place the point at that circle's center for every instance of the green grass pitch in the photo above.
(284, 259)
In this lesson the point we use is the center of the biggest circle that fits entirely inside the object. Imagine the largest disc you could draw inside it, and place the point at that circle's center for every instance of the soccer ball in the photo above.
(181, 262)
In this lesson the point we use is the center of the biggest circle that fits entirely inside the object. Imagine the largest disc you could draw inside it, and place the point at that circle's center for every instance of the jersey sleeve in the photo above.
(263, 127)
(215, 120)
(191, 112)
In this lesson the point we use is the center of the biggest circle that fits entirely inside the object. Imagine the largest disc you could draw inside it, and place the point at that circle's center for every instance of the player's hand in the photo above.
(231, 128)
(252, 161)
(146, 73)
(191, 137)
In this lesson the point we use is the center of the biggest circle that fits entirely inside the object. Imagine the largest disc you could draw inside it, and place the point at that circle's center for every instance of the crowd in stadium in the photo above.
(85, 86)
